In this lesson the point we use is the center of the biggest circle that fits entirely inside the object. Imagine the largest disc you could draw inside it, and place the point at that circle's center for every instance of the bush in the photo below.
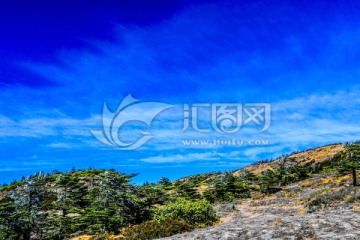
(354, 199)
(198, 213)
(8, 234)
(154, 229)
(227, 187)
(328, 198)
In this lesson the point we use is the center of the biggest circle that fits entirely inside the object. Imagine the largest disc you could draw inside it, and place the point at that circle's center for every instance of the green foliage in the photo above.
(325, 198)
(355, 198)
(227, 187)
(194, 212)
(352, 161)
(153, 194)
(8, 234)
(104, 201)
(186, 190)
(287, 171)
(267, 180)
(55, 206)
(197, 179)
(249, 176)
(164, 181)
(24, 209)
(156, 229)
(329, 169)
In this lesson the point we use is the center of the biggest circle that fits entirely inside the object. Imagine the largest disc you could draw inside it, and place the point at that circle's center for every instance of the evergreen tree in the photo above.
(249, 176)
(67, 198)
(29, 200)
(187, 190)
(112, 203)
(226, 187)
(352, 161)
(9, 225)
(164, 181)
(267, 180)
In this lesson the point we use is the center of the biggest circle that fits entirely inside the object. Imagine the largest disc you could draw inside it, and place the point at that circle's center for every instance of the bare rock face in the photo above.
(333, 224)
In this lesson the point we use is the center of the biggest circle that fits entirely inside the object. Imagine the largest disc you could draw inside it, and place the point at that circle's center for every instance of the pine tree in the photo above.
(352, 161)
(226, 187)
(281, 171)
(248, 175)
(164, 181)
(111, 204)
(9, 225)
(67, 196)
(187, 190)
(267, 180)
(235, 187)
(29, 201)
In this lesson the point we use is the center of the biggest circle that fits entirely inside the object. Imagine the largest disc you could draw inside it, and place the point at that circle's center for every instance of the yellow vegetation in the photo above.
(276, 222)
(83, 237)
(203, 188)
(314, 155)
(356, 208)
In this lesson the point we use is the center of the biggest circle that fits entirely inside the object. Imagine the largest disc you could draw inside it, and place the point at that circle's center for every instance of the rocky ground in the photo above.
(317, 209)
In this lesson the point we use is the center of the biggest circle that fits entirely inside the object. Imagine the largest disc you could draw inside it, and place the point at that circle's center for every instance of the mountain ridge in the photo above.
(103, 204)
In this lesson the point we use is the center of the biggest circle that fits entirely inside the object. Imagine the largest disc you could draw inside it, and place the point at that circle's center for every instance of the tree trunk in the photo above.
(354, 176)
(26, 235)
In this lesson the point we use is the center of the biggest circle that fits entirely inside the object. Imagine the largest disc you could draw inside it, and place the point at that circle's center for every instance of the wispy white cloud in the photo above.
(208, 53)
(46, 126)
(13, 169)
(190, 157)
(59, 145)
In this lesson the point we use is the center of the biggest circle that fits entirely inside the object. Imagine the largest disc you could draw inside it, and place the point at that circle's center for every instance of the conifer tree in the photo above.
(352, 161)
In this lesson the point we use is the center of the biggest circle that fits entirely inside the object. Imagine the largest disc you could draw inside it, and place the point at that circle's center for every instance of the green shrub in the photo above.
(7, 234)
(354, 198)
(328, 198)
(227, 187)
(154, 229)
(197, 212)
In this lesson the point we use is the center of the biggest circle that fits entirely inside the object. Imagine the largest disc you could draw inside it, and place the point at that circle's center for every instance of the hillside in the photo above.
(321, 207)
(305, 195)
(320, 155)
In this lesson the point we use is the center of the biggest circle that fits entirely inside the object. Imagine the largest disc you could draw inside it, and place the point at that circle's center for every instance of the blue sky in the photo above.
(61, 61)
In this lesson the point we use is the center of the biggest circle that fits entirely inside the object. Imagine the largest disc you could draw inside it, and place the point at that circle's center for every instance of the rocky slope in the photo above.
(321, 207)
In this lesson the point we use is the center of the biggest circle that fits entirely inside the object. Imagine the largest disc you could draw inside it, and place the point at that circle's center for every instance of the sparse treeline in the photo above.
(61, 205)
(52, 206)
(287, 170)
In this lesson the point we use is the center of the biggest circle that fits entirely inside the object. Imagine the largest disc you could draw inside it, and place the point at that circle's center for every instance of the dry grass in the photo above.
(83, 237)
(276, 222)
(202, 188)
(319, 154)
(356, 208)
(88, 237)
(337, 179)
